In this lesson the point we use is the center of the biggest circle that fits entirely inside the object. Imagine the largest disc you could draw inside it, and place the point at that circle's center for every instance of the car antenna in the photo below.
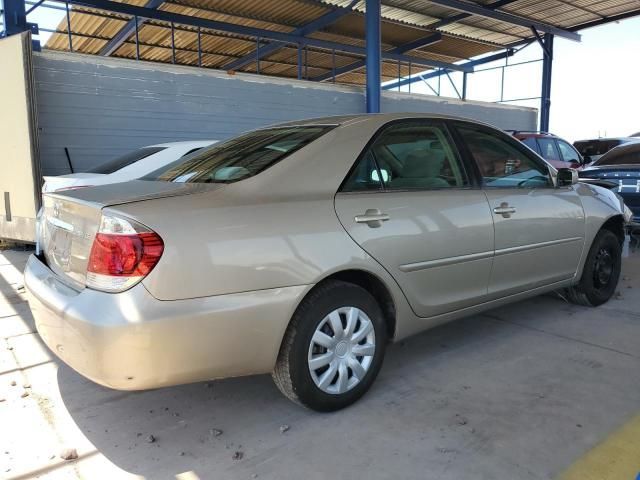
(66, 151)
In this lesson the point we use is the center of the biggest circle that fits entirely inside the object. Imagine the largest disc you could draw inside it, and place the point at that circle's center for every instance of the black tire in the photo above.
(601, 272)
(291, 374)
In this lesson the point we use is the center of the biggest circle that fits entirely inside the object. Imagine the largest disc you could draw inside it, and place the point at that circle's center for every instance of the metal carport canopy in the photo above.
(357, 42)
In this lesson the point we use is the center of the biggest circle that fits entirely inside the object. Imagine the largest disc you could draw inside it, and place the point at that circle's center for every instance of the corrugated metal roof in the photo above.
(403, 21)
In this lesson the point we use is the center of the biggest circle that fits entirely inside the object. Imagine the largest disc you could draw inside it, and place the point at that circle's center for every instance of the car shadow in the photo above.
(200, 427)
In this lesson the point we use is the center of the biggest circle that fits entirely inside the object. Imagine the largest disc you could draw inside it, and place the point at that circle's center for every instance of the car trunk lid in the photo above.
(71, 219)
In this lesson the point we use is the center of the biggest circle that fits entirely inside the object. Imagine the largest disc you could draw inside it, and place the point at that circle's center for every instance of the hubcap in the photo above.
(603, 268)
(341, 350)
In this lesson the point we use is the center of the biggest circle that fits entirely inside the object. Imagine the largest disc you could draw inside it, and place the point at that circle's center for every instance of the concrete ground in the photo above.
(521, 392)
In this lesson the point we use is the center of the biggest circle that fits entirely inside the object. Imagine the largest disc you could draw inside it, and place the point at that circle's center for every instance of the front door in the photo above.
(408, 202)
(539, 229)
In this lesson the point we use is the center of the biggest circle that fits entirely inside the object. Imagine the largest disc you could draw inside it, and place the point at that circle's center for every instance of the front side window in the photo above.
(241, 157)
(410, 155)
(568, 152)
(501, 162)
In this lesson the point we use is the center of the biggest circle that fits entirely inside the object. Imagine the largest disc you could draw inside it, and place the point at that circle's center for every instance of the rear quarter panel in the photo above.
(238, 247)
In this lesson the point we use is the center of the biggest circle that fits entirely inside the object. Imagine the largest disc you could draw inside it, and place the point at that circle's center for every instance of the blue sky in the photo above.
(595, 83)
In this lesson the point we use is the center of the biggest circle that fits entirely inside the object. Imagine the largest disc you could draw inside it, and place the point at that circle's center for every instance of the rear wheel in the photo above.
(601, 271)
(333, 348)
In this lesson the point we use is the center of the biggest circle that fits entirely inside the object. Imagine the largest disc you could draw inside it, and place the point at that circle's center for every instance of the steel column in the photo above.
(373, 42)
(199, 48)
(464, 86)
(69, 28)
(14, 17)
(545, 100)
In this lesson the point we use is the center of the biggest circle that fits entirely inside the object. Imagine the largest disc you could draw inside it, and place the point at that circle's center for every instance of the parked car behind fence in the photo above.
(555, 150)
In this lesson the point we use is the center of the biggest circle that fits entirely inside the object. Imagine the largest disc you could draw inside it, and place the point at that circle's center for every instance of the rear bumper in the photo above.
(132, 341)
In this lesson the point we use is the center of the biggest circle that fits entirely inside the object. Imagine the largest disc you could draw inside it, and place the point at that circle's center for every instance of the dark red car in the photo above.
(555, 150)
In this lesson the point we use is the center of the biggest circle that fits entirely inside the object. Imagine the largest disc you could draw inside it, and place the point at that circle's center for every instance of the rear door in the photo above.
(539, 229)
(410, 204)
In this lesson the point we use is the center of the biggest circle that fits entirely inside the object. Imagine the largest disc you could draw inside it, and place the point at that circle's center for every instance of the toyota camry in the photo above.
(302, 249)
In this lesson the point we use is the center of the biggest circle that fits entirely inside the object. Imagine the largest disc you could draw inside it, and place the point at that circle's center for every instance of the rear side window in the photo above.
(409, 156)
(241, 157)
(503, 163)
(130, 158)
(532, 144)
(548, 149)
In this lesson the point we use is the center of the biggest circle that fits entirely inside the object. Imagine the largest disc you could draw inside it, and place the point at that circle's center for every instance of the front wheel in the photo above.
(601, 271)
(333, 348)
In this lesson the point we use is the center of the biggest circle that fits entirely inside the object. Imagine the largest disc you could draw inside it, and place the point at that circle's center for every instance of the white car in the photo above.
(130, 166)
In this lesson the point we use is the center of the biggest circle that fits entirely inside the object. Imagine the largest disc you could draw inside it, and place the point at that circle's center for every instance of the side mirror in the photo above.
(567, 176)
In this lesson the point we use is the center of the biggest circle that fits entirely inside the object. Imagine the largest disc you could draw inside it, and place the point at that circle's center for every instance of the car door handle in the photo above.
(372, 217)
(504, 209)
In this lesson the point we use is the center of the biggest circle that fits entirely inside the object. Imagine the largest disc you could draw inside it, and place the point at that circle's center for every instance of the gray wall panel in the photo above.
(102, 107)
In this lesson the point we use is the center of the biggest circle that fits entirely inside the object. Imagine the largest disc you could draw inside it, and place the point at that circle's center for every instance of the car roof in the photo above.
(343, 120)
(533, 134)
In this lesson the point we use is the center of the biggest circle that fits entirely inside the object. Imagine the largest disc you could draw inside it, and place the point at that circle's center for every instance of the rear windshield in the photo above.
(241, 157)
(124, 161)
(589, 148)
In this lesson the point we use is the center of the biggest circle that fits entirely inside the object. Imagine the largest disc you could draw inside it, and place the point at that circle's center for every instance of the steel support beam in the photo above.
(462, 16)
(469, 65)
(128, 30)
(373, 59)
(407, 47)
(545, 97)
(313, 26)
(287, 38)
(483, 11)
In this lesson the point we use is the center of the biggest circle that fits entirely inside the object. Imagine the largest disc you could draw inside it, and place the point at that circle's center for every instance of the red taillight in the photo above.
(123, 253)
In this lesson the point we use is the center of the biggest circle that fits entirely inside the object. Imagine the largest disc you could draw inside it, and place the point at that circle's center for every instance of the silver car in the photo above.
(304, 248)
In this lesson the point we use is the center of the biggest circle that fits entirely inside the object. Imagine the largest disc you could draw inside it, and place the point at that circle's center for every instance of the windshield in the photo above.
(124, 161)
(241, 157)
